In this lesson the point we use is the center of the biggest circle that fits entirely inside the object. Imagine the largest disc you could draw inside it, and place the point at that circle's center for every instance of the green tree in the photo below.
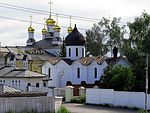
(95, 38)
(105, 35)
(119, 78)
(63, 50)
(140, 32)
(139, 45)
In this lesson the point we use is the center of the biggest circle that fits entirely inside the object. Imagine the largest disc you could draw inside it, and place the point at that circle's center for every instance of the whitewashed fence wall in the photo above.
(116, 98)
(50, 92)
(40, 104)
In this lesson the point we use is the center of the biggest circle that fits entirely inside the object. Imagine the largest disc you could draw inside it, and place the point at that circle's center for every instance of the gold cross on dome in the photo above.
(30, 20)
(50, 7)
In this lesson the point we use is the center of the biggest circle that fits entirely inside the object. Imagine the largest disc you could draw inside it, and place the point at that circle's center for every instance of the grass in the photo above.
(63, 109)
(142, 111)
(79, 99)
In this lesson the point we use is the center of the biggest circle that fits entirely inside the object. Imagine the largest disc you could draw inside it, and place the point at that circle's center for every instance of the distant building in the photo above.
(21, 78)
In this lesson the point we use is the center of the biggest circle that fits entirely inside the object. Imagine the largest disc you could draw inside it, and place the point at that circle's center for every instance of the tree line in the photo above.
(106, 34)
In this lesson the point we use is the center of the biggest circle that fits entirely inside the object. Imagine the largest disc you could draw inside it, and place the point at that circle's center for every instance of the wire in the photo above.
(46, 13)
(21, 20)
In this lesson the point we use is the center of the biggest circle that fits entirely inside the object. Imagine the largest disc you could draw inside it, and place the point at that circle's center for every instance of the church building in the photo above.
(75, 68)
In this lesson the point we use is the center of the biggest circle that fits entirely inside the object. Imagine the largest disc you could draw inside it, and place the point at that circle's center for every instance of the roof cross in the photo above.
(50, 6)
(30, 20)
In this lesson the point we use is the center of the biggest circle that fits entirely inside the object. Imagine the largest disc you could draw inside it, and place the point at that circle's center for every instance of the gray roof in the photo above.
(44, 43)
(10, 72)
(8, 89)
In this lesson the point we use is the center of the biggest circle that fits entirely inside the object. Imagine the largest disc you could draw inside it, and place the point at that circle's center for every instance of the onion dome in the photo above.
(50, 21)
(31, 29)
(69, 29)
(44, 31)
(57, 28)
(75, 38)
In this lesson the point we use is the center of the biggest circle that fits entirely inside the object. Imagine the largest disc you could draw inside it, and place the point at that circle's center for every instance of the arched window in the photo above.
(28, 84)
(95, 72)
(76, 51)
(49, 72)
(37, 84)
(69, 52)
(44, 84)
(78, 72)
(82, 52)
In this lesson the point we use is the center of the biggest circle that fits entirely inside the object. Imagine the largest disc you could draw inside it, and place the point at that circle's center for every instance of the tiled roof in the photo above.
(54, 60)
(84, 60)
(87, 60)
(113, 61)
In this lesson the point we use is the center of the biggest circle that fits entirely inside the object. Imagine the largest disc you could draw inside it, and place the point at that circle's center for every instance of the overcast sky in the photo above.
(15, 32)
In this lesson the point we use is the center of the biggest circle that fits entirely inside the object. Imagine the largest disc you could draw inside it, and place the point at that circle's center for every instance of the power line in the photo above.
(37, 11)
(19, 8)
(21, 20)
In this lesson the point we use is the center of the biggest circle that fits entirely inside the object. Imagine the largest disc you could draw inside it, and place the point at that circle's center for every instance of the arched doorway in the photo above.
(29, 84)
(63, 79)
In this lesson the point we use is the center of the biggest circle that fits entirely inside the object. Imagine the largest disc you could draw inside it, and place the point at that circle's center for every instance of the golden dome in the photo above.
(31, 29)
(44, 31)
(50, 21)
(57, 28)
(69, 29)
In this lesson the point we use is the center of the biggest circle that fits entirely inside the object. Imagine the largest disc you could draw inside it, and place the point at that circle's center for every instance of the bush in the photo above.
(142, 111)
(63, 109)
(79, 99)
(9, 112)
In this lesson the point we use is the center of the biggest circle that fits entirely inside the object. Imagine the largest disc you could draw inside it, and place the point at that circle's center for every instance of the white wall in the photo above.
(116, 98)
(23, 82)
(73, 52)
(62, 72)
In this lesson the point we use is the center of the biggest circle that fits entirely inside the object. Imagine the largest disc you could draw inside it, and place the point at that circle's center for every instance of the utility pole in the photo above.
(146, 86)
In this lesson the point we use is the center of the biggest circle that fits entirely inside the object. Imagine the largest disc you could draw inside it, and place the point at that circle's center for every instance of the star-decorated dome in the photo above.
(57, 28)
(75, 38)
(31, 29)
(50, 21)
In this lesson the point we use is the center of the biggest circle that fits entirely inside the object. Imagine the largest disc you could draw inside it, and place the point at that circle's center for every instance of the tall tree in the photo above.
(63, 50)
(105, 35)
(95, 38)
(140, 32)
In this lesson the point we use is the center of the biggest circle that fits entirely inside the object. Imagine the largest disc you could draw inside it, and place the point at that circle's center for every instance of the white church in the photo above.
(75, 68)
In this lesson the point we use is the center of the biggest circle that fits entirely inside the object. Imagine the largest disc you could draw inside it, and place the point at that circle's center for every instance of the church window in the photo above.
(28, 84)
(3, 81)
(82, 52)
(95, 72)
(44, 84)
(12, 83)
(49, 72)
(78, 72)
(16, 83)
(69, 52)
(19, 83)
(76, 51)
(37, 84)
